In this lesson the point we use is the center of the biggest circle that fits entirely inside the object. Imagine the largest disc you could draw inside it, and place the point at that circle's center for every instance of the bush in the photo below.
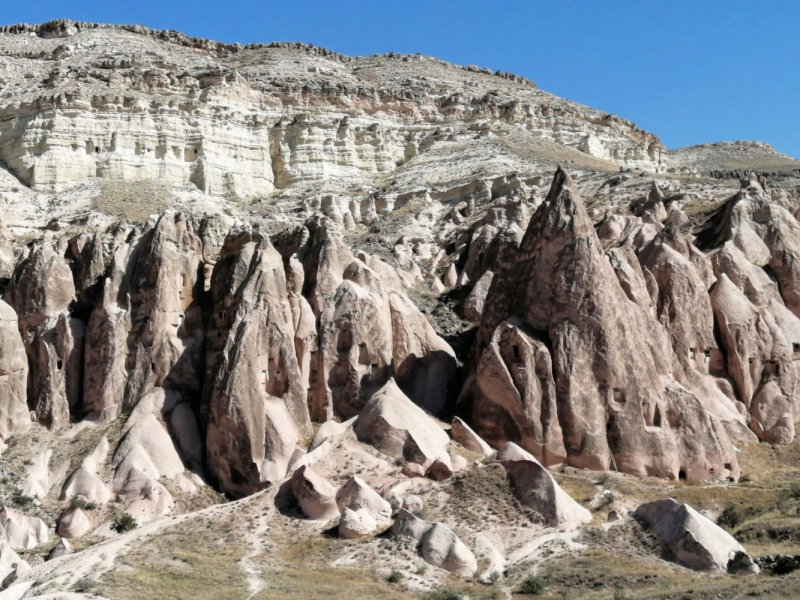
(494, 577)
(395, 577)
(794, 491)
(21, 500)
(729, 517)
(445, 594)
(123, 523)
(532, 586)
(619, 594)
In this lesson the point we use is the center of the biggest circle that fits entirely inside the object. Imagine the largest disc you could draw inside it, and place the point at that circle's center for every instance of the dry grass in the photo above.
(187, 563)
(133, 200)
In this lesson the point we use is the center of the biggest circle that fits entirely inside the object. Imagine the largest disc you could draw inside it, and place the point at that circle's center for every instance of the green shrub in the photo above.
(395, 577)
(794, 491)
(532, 586)
(123, 523)
(21, 500)
(729, 517)
(494, 577)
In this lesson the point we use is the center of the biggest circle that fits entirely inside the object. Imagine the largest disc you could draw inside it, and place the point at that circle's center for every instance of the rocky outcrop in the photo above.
(19, 531)
(535, 488)
(396, 426)
(254, 389)
(41, 291)
(437, 544)
(463, 434)
(316, 497)
(14, 415)
(356, 495)
(73, 523)
(694, 540)
(575, 370)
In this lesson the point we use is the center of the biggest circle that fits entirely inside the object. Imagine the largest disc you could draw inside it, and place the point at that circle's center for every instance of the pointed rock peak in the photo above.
(656, 195)
(561, 182)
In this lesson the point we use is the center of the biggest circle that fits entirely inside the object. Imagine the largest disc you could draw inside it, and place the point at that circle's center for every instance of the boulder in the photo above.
(316, 497)
(356, 524)
(73, 523)
(437, 544)
(11, 565)
(396, 426)
(535, 488)
(62, 548)
(413, 504)
(463, 434)
(357, 495)
(21, 532)
(693, 539)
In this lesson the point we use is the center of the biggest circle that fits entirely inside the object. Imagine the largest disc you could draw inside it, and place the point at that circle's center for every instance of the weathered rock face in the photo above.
(368, 331)
(399, 428)
(536, 489)
(14, 414)
(20, 531)
(437, 544)
(41, 291)
(315, 495)
(254, 388)
(574, 366)
(693, 539)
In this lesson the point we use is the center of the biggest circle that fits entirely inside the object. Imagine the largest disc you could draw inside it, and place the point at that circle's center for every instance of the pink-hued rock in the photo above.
(14, 414)
(396, 426)
(535, 488)
(574, 366)
(315, 495)
(437, 544)
(254, 384)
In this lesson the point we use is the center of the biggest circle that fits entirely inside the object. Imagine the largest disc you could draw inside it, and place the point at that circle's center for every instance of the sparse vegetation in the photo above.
(395, 577)
(123, 523)
(532, 586)
(729, 517)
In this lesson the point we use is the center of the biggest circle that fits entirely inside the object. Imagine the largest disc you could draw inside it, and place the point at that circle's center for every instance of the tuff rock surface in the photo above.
(276, 272)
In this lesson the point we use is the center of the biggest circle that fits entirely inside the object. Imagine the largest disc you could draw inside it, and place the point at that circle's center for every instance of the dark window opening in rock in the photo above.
(795, 351)
(728, 466)
(691, 353)
(619, 395)
(682, 475)
(59, 364)
(219, 334)
(152, 366)
(516, 351)
(97, 148)
(344, 341)
(195, 150)
(750, 361)
(707, 356)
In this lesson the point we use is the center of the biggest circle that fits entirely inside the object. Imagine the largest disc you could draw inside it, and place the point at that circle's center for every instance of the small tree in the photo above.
(123, 523)
(532, 586)
(729, 517)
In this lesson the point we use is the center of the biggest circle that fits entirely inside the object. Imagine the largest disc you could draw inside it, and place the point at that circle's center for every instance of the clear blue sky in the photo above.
(689, 71)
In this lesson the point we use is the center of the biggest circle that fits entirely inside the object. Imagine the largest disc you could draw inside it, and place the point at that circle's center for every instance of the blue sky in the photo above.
(690, 72)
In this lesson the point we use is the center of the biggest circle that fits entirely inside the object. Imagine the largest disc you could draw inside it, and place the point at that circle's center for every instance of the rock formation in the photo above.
(693, 539)
(437, 544)
(575, 371)
(535, 488)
